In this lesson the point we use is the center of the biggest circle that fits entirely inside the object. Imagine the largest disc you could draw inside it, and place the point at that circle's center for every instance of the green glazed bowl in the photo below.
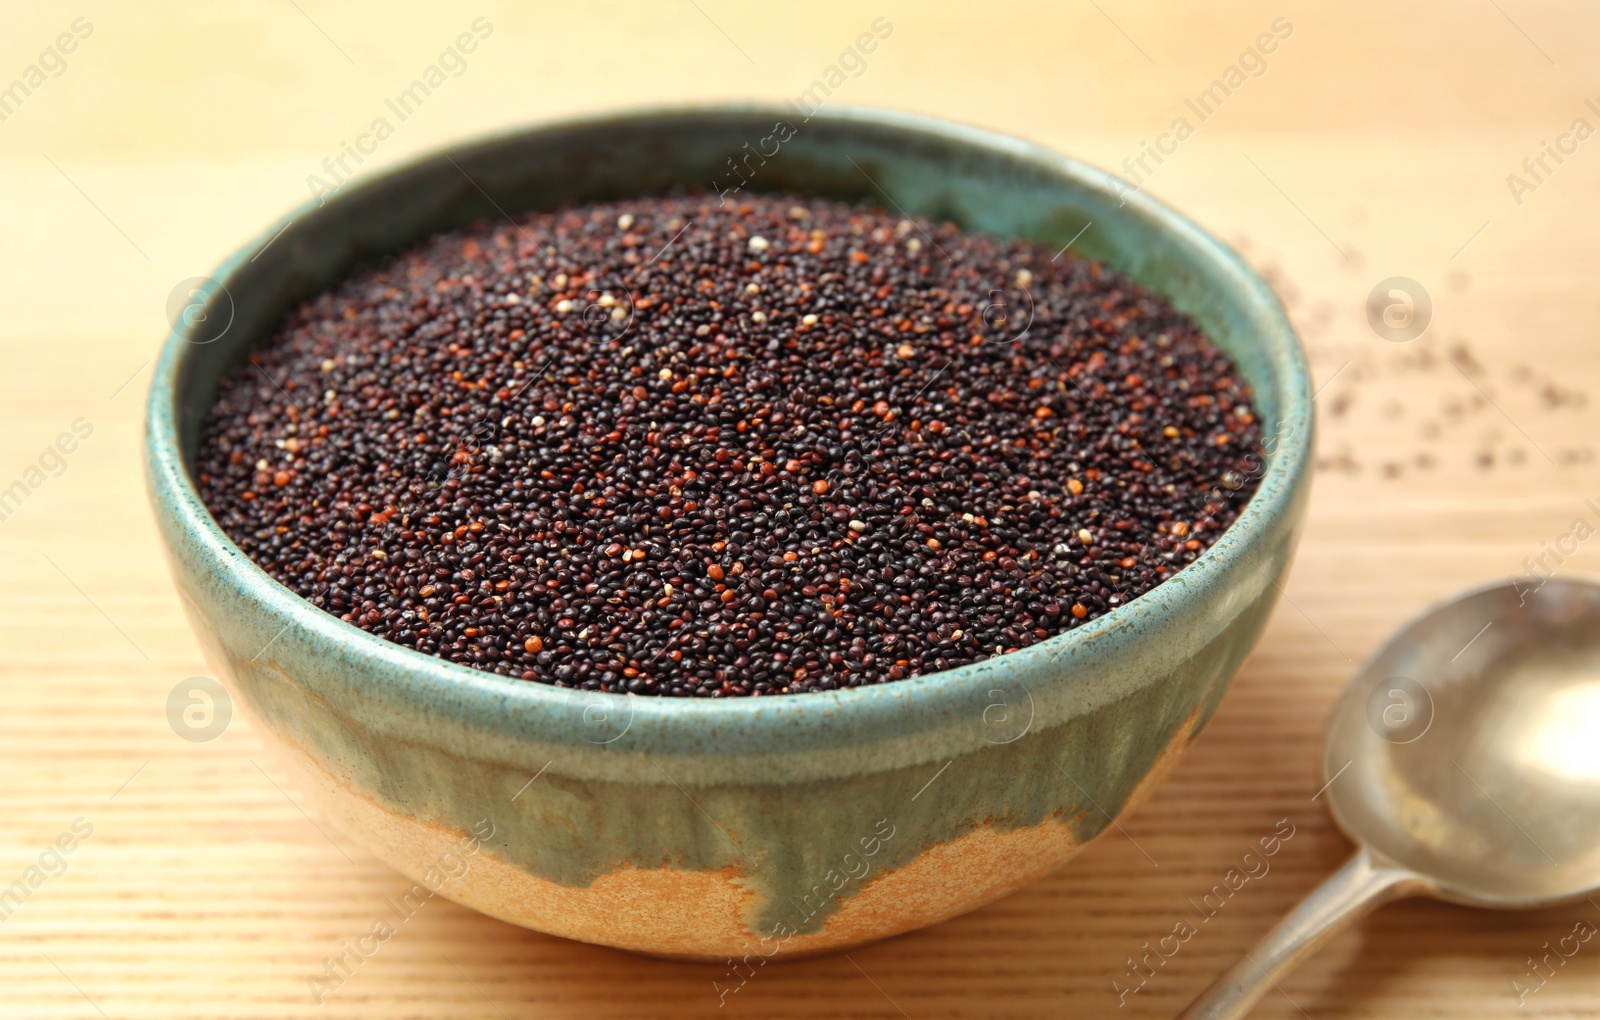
(745, 827)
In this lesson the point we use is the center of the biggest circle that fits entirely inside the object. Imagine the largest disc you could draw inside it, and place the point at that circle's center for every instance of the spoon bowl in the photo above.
(1464, 761)
(1468, 748)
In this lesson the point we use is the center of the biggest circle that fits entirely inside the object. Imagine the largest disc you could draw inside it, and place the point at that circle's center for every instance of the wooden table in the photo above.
(1377, 143)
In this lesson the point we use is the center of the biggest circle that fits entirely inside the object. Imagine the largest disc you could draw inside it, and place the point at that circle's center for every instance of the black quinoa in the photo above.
(672, 447)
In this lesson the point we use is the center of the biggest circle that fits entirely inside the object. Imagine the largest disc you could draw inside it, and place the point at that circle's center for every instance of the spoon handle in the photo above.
(1357, 887)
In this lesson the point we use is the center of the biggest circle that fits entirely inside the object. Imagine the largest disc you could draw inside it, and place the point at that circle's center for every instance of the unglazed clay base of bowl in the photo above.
(711, 915)
(769, 827)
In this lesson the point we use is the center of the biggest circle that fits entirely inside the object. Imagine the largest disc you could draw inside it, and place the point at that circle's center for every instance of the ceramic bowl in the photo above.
(745, 827)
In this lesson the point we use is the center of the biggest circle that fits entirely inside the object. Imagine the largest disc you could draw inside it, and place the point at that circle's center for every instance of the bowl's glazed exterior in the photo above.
(717, 829)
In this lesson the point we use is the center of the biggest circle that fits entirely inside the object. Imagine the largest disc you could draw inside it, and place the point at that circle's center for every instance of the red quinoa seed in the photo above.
(671, 447)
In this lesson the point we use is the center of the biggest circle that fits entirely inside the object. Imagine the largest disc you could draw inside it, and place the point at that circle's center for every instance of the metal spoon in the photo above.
(1464, 760)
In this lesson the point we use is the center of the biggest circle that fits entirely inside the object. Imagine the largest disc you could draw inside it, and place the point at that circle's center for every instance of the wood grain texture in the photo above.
(1377, 143)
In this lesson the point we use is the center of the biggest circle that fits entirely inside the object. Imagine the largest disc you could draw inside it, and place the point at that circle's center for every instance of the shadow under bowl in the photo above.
(710, 829)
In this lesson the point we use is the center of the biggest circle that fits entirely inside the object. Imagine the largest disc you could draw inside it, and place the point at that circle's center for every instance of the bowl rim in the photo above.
(488, 698)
